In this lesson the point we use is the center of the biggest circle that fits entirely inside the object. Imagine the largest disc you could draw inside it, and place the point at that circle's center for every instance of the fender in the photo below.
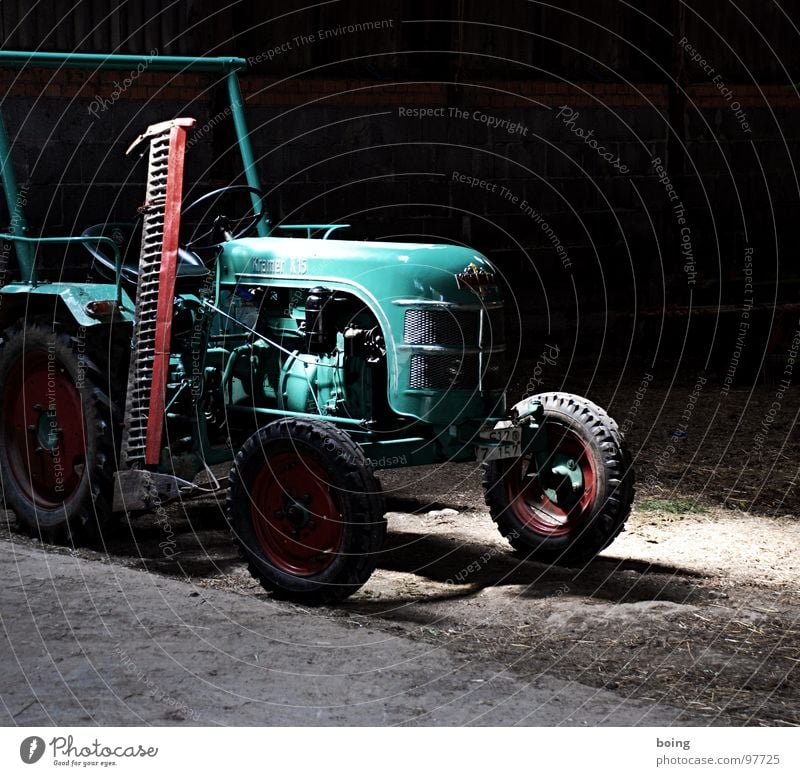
(81, 301)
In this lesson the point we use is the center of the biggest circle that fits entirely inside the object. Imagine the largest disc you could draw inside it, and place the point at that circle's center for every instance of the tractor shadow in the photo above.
(186, 540)
(192, 540)
(472, 567)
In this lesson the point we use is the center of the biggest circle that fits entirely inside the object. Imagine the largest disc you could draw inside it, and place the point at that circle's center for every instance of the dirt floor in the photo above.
(695, 605)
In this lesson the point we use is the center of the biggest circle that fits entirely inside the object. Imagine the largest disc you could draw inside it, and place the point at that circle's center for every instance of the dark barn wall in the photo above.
(576, 235)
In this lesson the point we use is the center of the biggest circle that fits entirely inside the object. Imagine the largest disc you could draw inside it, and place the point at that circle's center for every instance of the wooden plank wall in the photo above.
(600, 40)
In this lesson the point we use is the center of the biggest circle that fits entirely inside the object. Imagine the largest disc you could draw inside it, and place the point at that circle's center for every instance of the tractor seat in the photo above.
(128, 237)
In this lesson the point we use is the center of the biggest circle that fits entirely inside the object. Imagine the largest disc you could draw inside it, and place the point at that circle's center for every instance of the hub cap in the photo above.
(294, 514)
(564, 500)
(44, 425)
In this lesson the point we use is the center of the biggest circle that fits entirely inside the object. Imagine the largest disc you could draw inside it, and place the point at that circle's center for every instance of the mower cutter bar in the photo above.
(158, 263)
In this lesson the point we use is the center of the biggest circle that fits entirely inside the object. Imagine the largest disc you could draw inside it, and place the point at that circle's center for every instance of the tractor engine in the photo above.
(313, 351)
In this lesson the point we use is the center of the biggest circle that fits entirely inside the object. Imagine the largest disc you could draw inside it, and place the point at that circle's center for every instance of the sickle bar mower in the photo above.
(158, 265)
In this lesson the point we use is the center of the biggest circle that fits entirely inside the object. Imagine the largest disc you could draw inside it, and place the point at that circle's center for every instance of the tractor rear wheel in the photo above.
(571, 518)
(56, 448)
(306, 510)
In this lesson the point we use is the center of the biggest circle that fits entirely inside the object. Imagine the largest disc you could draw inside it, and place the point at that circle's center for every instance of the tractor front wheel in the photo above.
(306, 510)
(56, 451)
(579, 502)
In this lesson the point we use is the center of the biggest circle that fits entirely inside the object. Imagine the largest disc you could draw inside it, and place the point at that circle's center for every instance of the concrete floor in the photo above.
(90, 642)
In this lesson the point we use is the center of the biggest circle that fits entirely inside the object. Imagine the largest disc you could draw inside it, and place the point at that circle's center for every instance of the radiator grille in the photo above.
(458, 328)
(441, 327)
(444, 372)
(494, 333)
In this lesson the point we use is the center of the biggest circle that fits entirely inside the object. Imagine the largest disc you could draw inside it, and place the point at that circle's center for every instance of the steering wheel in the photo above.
(222, 226)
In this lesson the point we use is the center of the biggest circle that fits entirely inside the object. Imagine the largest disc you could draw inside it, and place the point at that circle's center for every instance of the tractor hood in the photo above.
(404, 284)
(383, 272)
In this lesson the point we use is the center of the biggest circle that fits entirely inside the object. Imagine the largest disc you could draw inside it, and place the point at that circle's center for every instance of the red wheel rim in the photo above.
(531, 503)
(295, 517)
(44, 429)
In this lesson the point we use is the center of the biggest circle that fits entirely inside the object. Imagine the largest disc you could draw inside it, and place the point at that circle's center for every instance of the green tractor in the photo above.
(207, 335)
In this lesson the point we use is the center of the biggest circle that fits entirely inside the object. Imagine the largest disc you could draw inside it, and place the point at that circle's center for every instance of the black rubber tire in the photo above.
(614, 481)
(86, 514)
(352, 486)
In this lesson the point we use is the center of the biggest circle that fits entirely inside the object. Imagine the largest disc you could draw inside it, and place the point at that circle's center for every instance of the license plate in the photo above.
(502, 441)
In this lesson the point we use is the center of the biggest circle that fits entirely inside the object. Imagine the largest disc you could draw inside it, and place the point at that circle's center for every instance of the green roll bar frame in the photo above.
(28, 242)
(228, 66)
